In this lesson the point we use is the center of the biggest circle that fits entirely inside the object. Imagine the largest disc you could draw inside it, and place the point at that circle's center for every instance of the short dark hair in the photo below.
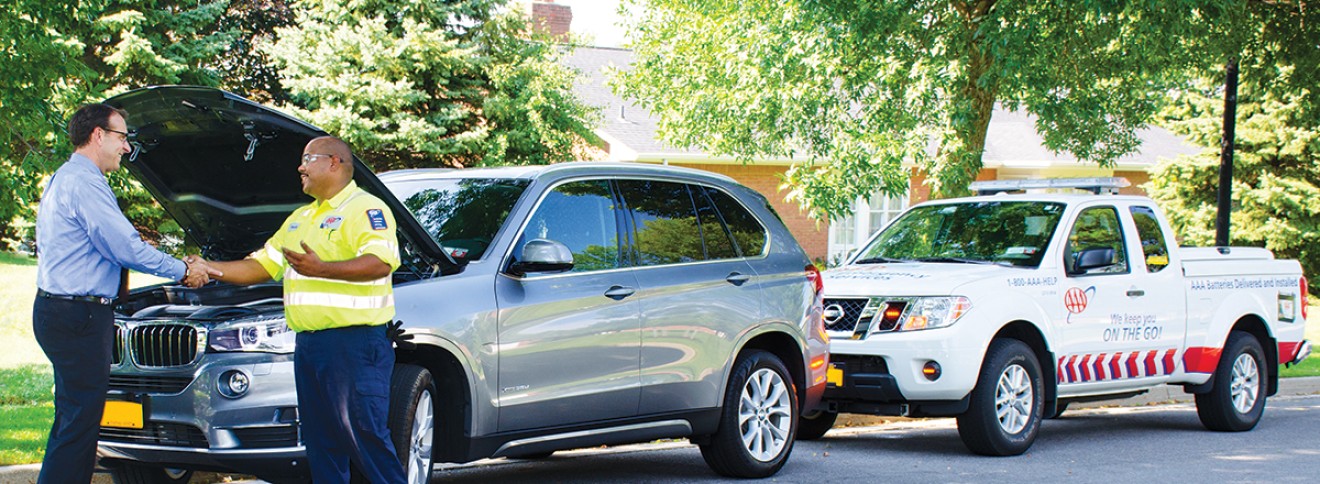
(88, 118)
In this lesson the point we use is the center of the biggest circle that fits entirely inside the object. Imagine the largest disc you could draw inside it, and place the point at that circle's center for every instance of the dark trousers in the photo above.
(76, 337)
(343, 379)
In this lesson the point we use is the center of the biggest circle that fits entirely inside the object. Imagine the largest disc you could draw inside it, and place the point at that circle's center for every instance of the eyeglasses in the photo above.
(310, 157)
(123, 134)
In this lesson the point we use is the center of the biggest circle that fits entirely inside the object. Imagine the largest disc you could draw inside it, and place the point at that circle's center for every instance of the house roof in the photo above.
(1011, 139)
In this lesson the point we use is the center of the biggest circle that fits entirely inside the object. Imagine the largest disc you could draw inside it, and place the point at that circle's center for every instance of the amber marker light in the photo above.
(931, 370)
(817, 362)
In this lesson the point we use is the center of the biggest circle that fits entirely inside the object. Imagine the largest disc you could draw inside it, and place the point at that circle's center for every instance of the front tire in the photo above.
(758, 419)
(813, 426)
(1006, 405)
(1236, 401)
(125, 473)
(412, 420)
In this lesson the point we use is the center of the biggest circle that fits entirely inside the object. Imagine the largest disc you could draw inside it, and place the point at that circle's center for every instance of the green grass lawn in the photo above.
(26, 381)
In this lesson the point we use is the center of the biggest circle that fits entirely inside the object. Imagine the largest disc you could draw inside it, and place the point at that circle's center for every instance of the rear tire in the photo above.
(758, 419)
(1006, 405)
(813, 426)
(412, 420)
(1236, 401)
(125, 473)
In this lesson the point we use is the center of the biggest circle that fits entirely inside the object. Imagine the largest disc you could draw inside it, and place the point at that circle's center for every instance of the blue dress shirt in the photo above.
(83, 239)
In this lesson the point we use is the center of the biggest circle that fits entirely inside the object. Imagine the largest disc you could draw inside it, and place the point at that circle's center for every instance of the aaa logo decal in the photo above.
(1076, 299)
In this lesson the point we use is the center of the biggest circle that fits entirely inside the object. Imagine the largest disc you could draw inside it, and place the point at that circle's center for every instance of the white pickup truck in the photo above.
(1003, 309)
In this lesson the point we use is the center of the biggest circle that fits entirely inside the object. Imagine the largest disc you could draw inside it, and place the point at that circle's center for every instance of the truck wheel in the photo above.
(812, 426)
(412, 420)
(1006, 405)
(757, 419)
(1237, 399)
(125, 473)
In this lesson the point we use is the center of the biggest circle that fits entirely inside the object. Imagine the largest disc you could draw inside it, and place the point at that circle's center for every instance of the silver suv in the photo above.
(551, 307)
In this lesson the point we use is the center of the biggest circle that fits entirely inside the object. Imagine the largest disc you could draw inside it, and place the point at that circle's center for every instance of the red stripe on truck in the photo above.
(1201, 359)
(1288, 351)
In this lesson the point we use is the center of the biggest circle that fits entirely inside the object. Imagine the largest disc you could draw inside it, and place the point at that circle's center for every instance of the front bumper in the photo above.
(902, 356)
(190, 424)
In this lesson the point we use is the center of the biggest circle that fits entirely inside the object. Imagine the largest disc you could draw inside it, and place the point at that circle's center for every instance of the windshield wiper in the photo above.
(958, 260)
(880, 260)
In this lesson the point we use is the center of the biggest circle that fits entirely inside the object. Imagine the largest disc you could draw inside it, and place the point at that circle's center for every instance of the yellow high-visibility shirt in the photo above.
(350, 224)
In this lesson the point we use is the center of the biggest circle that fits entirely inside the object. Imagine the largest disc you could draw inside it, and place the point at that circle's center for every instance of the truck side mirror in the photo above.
(542, 255)
(1092, 258)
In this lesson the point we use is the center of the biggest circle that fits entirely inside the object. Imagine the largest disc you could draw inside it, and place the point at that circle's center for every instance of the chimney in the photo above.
(550, 18)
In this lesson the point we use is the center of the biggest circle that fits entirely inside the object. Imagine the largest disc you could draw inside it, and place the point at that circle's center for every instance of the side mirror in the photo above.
(542, 255)
(1092, 258)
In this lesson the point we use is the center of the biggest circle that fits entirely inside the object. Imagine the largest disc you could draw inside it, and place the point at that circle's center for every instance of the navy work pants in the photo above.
(343, 379)
(77, 338)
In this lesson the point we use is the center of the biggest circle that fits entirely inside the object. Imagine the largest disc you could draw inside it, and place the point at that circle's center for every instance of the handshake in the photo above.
(199, 272)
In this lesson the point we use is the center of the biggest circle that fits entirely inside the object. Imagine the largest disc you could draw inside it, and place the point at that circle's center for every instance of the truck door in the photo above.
(1103, 315)
(1160, 294)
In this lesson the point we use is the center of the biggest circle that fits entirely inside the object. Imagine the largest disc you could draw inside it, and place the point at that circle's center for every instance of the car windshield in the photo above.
(462, 215)
(1005, 233)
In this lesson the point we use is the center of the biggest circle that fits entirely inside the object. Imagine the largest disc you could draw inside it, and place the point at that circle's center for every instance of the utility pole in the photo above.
(1226, 154)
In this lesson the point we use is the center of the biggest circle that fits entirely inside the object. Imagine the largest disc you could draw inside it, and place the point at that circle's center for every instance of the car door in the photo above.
(696, 293)
(1157, 295)
(1096, 304)
(569, 341)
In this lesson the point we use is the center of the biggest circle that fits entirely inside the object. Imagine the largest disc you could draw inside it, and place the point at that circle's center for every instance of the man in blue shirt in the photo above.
(84, 242)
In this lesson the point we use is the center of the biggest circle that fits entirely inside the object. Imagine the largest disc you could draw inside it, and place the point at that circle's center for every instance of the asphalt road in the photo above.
(1164, 443)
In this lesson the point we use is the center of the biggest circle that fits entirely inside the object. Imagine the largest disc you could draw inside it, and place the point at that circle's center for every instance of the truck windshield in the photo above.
(1005, 233)
(462, 215)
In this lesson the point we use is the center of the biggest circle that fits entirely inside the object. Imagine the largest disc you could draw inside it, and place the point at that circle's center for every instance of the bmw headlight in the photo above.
(912, 314)
(270, 335)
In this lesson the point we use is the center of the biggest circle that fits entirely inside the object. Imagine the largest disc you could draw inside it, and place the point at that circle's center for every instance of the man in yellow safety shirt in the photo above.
(335, 257)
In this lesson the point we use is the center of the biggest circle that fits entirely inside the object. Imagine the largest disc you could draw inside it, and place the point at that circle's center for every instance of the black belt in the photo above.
(104, 301)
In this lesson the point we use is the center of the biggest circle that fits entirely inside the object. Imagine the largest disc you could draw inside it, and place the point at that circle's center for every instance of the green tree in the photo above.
(1276, 173)
(59, 56)
(430, 83)
(859, 86)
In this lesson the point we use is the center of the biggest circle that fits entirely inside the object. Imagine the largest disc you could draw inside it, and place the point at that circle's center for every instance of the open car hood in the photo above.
(226, 169)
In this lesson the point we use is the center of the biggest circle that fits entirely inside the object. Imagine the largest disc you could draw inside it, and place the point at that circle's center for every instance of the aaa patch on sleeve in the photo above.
(377, 218)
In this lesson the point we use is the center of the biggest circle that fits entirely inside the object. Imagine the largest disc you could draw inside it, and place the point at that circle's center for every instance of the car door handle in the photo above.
(617, 293)
(737, 278)
(1136, 293)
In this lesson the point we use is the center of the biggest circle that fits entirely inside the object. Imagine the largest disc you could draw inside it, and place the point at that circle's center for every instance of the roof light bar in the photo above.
(1096, 185)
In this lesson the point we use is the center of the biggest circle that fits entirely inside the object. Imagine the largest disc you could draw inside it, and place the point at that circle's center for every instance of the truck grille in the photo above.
(149, 384)
(850, 313)
(158, 433)
(162, 345)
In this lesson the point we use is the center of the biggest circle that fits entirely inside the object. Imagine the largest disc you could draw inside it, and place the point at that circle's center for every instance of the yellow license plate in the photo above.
(124, 415)
(834, 376)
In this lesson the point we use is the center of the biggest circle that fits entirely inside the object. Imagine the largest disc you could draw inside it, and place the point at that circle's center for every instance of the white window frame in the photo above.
(859, 221)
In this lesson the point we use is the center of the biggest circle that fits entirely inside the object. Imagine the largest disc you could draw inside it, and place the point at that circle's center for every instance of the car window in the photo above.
(664, 221)
(748, 233)
(461, 215)
(579, 215)
(1153, 247)
(719, 245)
(1097, 228)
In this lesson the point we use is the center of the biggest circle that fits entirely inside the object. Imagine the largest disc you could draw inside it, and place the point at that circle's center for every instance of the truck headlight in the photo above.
(921, 312)
(268, 335)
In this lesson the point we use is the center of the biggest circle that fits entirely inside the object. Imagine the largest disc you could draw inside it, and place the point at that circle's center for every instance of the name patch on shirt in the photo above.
(332, 222)
(377, 218)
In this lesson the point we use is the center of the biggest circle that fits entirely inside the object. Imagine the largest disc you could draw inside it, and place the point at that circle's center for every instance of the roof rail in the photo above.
(1096, 185)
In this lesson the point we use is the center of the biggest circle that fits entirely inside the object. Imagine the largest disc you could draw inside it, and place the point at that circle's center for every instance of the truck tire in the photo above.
(758, 419)
(1006, 406)
(1237, 399)
(812, 426)
(412, 420)
(125, 473)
